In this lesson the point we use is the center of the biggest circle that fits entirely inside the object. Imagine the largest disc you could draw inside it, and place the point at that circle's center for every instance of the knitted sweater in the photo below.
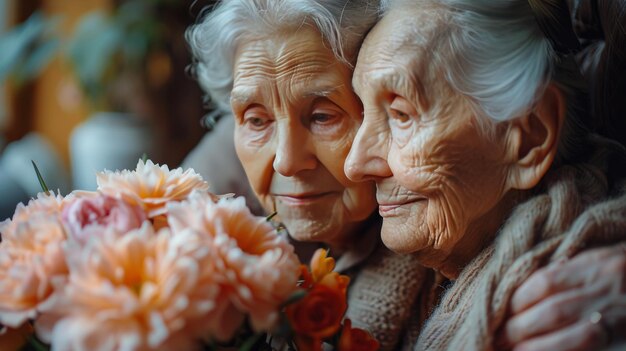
(386, 295)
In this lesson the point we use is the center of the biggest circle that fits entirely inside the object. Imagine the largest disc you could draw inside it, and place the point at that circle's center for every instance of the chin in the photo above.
(310, 230)
(401, 238)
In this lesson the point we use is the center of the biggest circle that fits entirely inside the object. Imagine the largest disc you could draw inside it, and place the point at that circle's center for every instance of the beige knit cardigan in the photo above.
(573, 211)
(385, 297)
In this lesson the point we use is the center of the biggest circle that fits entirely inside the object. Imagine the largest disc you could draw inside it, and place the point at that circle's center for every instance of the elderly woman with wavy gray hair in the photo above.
(283, 70)
(469, 135)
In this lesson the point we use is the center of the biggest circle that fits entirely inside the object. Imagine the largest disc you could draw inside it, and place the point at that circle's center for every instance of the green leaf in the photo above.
(283, 328)
(44, 187)
(292, 346)
(34, 344)
(28, 48)
(144, 158)
(92, 50)
(251, 342)
(269, 218)
(37, 59)
(296, 296)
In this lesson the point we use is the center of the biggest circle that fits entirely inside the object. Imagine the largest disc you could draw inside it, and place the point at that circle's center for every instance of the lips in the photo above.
(390, 209)
(392, 196)
(303, 198)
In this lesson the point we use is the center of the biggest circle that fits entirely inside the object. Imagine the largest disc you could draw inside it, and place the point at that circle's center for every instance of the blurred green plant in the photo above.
(106, 50)
(105, 46)
(28, 48)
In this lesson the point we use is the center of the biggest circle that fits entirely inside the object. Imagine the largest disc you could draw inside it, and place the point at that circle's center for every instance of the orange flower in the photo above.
(336, 281)
(355, 339)
(318, 315)
(321, 264)
(306, 280)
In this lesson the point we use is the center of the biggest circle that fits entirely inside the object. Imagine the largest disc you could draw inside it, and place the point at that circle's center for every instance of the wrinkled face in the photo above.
(296, 117)
(438, 176)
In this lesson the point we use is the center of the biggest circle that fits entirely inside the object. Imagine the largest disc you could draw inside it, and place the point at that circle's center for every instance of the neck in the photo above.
(479, 234)
(355, 232)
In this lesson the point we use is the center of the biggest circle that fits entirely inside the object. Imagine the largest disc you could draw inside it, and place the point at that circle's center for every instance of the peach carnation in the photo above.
(141, 291)
(44, 203)
(150, 186)
(31, 256)
(260, 267)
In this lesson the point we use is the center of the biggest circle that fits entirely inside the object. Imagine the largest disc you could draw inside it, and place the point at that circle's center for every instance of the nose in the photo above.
(367, 159)
(293, 152)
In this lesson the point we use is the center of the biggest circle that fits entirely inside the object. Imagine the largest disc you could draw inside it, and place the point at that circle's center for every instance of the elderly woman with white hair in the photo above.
(283, 69)
(474, 133)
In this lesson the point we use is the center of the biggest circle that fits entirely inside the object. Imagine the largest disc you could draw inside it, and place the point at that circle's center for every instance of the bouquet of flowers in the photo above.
(153, 261)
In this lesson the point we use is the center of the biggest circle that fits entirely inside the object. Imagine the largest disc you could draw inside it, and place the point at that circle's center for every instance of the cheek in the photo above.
(257, 163)
(405, 163)
(332, 151)
(359, 199)
(428, 161)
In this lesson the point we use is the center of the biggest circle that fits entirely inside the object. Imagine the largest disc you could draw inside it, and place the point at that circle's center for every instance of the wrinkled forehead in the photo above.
(406, 38)
(300, 64)
(284, 51)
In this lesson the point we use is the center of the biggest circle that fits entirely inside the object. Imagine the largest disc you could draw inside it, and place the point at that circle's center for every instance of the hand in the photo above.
(571, 305)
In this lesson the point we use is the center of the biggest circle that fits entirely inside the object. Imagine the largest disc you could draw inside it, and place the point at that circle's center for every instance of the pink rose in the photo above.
(89, 216)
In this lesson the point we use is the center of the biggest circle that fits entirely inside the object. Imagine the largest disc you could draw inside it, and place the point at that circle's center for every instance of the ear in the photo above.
(533, 140)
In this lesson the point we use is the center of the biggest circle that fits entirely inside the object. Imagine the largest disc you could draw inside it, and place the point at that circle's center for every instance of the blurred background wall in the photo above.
(92, 84)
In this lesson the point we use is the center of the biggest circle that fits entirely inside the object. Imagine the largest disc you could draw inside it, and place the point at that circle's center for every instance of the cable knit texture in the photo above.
(384, 294)
(572, 211)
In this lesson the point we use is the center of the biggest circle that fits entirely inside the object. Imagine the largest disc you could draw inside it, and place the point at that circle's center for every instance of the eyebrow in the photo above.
(242, 96)
(406, 84)
(322, 91)
(418, 91)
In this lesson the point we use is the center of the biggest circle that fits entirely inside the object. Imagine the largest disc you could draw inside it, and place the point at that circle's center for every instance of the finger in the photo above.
(578, 337)
(552, 313)
(561, 276)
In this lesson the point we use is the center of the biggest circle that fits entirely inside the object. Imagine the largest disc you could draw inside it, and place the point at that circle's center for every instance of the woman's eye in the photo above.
(399, 116)
(401, 110)
(322, 118)
(257, 123)
(256, 118)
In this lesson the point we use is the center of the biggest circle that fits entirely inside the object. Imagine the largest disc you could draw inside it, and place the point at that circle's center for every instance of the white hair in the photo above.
(215, 38)
(494, 53)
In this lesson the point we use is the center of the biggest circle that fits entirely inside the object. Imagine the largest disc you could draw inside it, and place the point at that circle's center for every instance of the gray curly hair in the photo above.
(216, 36)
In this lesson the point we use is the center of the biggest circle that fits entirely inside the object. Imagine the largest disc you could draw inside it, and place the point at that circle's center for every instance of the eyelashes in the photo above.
(256, 123)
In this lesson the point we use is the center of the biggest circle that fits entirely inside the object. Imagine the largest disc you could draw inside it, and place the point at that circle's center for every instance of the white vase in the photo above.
(107, 140)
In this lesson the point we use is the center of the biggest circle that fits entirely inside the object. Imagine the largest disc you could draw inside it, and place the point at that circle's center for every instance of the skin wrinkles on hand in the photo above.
(551, 309)
(296, 117)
